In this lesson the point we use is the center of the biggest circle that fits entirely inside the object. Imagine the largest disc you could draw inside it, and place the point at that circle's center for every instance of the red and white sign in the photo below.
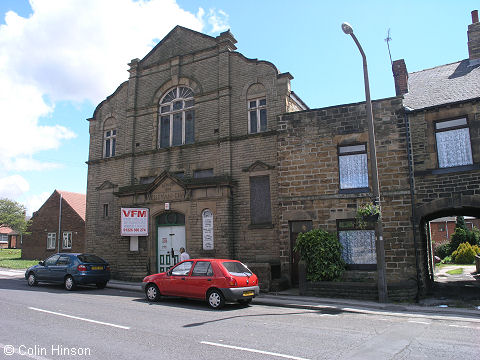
(134, 222)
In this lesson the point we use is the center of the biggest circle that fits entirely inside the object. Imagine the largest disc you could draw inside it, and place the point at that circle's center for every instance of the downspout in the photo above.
(412, 196)
(59, 223)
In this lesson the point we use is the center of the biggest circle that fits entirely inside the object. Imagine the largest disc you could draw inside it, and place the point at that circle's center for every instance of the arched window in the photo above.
(257, 109)
(177, 117)
(109, 137)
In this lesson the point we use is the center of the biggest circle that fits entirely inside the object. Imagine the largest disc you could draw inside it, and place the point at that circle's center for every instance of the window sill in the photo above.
(354, 191)
(449, 170)
(261, 226)
(362, 267)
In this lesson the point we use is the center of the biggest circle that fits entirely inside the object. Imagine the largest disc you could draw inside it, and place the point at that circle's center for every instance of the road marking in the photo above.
(463, 326)
(79, 318)
(253, 350)
(419, 322)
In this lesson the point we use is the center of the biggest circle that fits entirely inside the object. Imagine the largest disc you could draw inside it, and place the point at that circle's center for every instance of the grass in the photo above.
(457, 271)
(12, 259)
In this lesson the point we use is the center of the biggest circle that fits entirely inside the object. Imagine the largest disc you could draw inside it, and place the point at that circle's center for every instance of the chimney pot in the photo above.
(474, 16)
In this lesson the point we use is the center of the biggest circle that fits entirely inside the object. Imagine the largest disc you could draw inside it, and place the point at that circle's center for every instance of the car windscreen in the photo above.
(237, 268)
(90, 259)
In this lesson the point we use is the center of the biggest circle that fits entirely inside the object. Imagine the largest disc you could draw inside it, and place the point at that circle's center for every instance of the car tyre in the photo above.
(215, 299)
(69, 283)
(152, 293)
(32, 279)
(101, 285)
(244, 302)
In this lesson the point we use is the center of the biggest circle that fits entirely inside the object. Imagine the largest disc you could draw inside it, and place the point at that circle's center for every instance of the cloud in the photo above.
(74, 50)
(34, 202)
(11, 187)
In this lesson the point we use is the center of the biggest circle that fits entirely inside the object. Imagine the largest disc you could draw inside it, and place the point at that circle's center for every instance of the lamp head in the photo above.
(347, 28)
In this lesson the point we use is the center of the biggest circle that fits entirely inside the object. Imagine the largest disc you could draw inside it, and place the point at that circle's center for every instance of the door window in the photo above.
(63, 260)
(51, 260)
(182, 269)
(202, 268)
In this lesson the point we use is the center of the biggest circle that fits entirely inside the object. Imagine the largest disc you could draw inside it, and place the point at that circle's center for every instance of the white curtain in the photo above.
(358, 246)
(454, 148)
(353, 171)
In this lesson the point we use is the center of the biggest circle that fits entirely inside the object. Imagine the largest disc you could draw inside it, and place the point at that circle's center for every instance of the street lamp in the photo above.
(382, 283)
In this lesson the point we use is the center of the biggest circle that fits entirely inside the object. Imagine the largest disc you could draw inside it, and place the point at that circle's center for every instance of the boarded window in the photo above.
(260, 208)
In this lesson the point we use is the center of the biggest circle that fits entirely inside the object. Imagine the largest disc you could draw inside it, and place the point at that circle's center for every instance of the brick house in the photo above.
(9, 239)
(58, 226)
(191, 136)
(441, 229)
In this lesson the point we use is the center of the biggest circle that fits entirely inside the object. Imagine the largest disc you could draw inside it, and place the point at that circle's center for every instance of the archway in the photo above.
(443, 281)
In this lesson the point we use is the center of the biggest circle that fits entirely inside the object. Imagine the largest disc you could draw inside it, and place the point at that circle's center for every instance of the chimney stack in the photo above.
(400, 76)
(473, 34)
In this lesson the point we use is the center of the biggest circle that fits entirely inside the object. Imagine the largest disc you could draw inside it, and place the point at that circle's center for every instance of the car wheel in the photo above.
(69, 283)
(152, 293)
(244, 302)
(215, 299)
(101, 285)
(32, 279)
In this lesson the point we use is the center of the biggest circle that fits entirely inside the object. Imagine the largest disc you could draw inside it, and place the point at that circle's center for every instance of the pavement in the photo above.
(292, 299)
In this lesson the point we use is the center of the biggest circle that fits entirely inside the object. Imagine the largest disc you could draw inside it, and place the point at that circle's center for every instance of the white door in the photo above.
(170, 240)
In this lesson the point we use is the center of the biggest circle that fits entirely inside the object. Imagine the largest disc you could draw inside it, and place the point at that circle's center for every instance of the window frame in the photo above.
(350, 153)
(184, 110)
(452, 128)
(369, 227)
(3, 236)
(109, 143)
(51, 236)
(257, 109)
(69, 239)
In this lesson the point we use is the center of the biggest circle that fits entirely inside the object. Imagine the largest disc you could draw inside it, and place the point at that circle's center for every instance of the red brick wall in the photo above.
(45, 221)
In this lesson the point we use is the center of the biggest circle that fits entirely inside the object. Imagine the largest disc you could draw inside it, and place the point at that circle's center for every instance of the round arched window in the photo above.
(177, 117)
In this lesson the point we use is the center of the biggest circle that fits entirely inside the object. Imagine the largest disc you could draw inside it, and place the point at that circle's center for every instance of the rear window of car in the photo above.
(236, 268)
(85, 258)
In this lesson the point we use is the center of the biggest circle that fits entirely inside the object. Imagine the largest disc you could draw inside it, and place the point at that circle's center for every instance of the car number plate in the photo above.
(248, 293)
(97, 267)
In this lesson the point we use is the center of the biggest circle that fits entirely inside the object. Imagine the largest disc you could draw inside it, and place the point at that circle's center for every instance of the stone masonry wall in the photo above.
(309, 176)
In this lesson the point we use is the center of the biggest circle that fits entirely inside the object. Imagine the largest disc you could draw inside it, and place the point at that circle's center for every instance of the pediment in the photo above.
(179, 41)
(167, 187)
(258, 166)
(106, 185)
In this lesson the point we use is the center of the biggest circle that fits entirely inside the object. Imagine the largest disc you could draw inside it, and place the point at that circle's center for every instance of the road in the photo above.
(47, 322)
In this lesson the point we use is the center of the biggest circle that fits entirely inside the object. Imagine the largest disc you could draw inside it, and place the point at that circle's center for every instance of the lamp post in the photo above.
(380, 248)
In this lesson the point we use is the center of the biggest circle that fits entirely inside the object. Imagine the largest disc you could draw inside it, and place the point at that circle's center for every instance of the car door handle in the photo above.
(183, 278)
(209, 279)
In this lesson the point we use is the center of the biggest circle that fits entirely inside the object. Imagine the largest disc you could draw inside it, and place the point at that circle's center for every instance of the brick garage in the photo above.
(44, 229)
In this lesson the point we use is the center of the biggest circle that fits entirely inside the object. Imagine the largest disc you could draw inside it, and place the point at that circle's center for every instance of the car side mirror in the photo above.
(41, 263)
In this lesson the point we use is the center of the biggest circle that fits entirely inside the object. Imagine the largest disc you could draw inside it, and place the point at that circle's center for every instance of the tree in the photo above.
(460, 223)
(12, 215)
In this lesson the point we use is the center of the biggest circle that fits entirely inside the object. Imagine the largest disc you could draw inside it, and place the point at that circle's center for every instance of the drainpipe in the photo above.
(412, 196)
(59, 223)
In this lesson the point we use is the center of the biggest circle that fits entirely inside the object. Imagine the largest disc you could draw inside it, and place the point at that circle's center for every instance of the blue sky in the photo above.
(60, 58)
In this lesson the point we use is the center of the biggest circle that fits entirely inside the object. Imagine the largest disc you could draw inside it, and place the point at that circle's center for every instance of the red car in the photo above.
(213, 280)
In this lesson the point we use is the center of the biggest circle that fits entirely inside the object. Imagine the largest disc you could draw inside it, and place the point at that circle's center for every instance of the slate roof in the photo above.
(442, 85)
(77, 201)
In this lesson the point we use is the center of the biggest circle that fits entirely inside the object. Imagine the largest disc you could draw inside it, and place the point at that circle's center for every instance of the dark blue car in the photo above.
(70, 270)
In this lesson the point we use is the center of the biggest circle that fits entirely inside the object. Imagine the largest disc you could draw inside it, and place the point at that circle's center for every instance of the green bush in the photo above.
(443, 250)
(458, 237)
(465, 254)
(322, 253)
(447, 260)
(473, 236)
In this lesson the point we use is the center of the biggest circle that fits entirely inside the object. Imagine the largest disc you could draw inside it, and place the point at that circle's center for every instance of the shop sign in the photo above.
(134, 222)
(207, 226)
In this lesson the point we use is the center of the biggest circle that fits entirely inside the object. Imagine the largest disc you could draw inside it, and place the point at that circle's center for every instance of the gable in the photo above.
(179, 41)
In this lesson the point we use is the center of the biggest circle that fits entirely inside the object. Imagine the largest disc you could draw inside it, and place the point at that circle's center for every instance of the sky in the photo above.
(60, 58)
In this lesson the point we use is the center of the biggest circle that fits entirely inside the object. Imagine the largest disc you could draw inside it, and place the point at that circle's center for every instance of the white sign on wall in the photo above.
(207, 226)
(134, 222)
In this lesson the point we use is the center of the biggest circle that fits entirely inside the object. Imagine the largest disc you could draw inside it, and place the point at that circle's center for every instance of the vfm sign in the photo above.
(134, 222)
